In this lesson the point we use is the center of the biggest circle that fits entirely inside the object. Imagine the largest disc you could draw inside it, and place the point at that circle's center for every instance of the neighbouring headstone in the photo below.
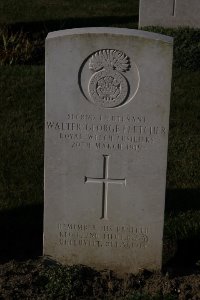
(169, 13)
(106, 136)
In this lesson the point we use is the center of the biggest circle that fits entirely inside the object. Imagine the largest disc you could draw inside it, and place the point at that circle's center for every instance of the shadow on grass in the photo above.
(36, 32)
(182, 230)
(21, 232)
(52, 25)
(180, 200)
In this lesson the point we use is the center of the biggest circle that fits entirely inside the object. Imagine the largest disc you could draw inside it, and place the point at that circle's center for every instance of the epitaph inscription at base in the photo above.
(106, 135)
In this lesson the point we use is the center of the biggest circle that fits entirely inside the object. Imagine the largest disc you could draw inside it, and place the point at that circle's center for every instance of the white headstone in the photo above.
(106, 135)
(169, 13)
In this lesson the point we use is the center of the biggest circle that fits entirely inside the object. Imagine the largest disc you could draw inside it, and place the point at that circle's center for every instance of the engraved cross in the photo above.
(105, 181)
(174, 8)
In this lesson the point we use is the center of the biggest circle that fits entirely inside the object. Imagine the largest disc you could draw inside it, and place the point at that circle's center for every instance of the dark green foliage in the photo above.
(81, 282)
(40, 279)
(19, 48)
(186, 46)
(71, 282)
(142, 296)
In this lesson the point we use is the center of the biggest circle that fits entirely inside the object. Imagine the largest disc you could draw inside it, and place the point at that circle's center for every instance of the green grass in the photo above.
(80, 282)
(20, 48)
(12, 11)
(21, 143)
(184, 144)
(186, 46)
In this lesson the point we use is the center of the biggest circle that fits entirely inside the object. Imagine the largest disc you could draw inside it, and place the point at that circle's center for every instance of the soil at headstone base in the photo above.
(43, 279)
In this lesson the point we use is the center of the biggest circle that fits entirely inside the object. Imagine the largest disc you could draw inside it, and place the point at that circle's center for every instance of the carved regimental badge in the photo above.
(107, 86)
(112, 78)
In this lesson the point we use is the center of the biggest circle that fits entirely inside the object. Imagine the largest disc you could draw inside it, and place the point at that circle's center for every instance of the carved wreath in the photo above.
(108, 88)
(107, 59)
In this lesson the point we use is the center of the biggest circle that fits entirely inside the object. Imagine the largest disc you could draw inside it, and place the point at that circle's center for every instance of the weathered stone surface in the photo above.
(106, 135)
(169, 13)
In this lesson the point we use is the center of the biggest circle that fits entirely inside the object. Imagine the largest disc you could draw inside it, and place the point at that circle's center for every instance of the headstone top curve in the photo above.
(111, 30)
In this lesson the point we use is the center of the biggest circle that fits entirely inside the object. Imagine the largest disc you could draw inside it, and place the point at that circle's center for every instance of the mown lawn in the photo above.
(12, 11)
(21, 143)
